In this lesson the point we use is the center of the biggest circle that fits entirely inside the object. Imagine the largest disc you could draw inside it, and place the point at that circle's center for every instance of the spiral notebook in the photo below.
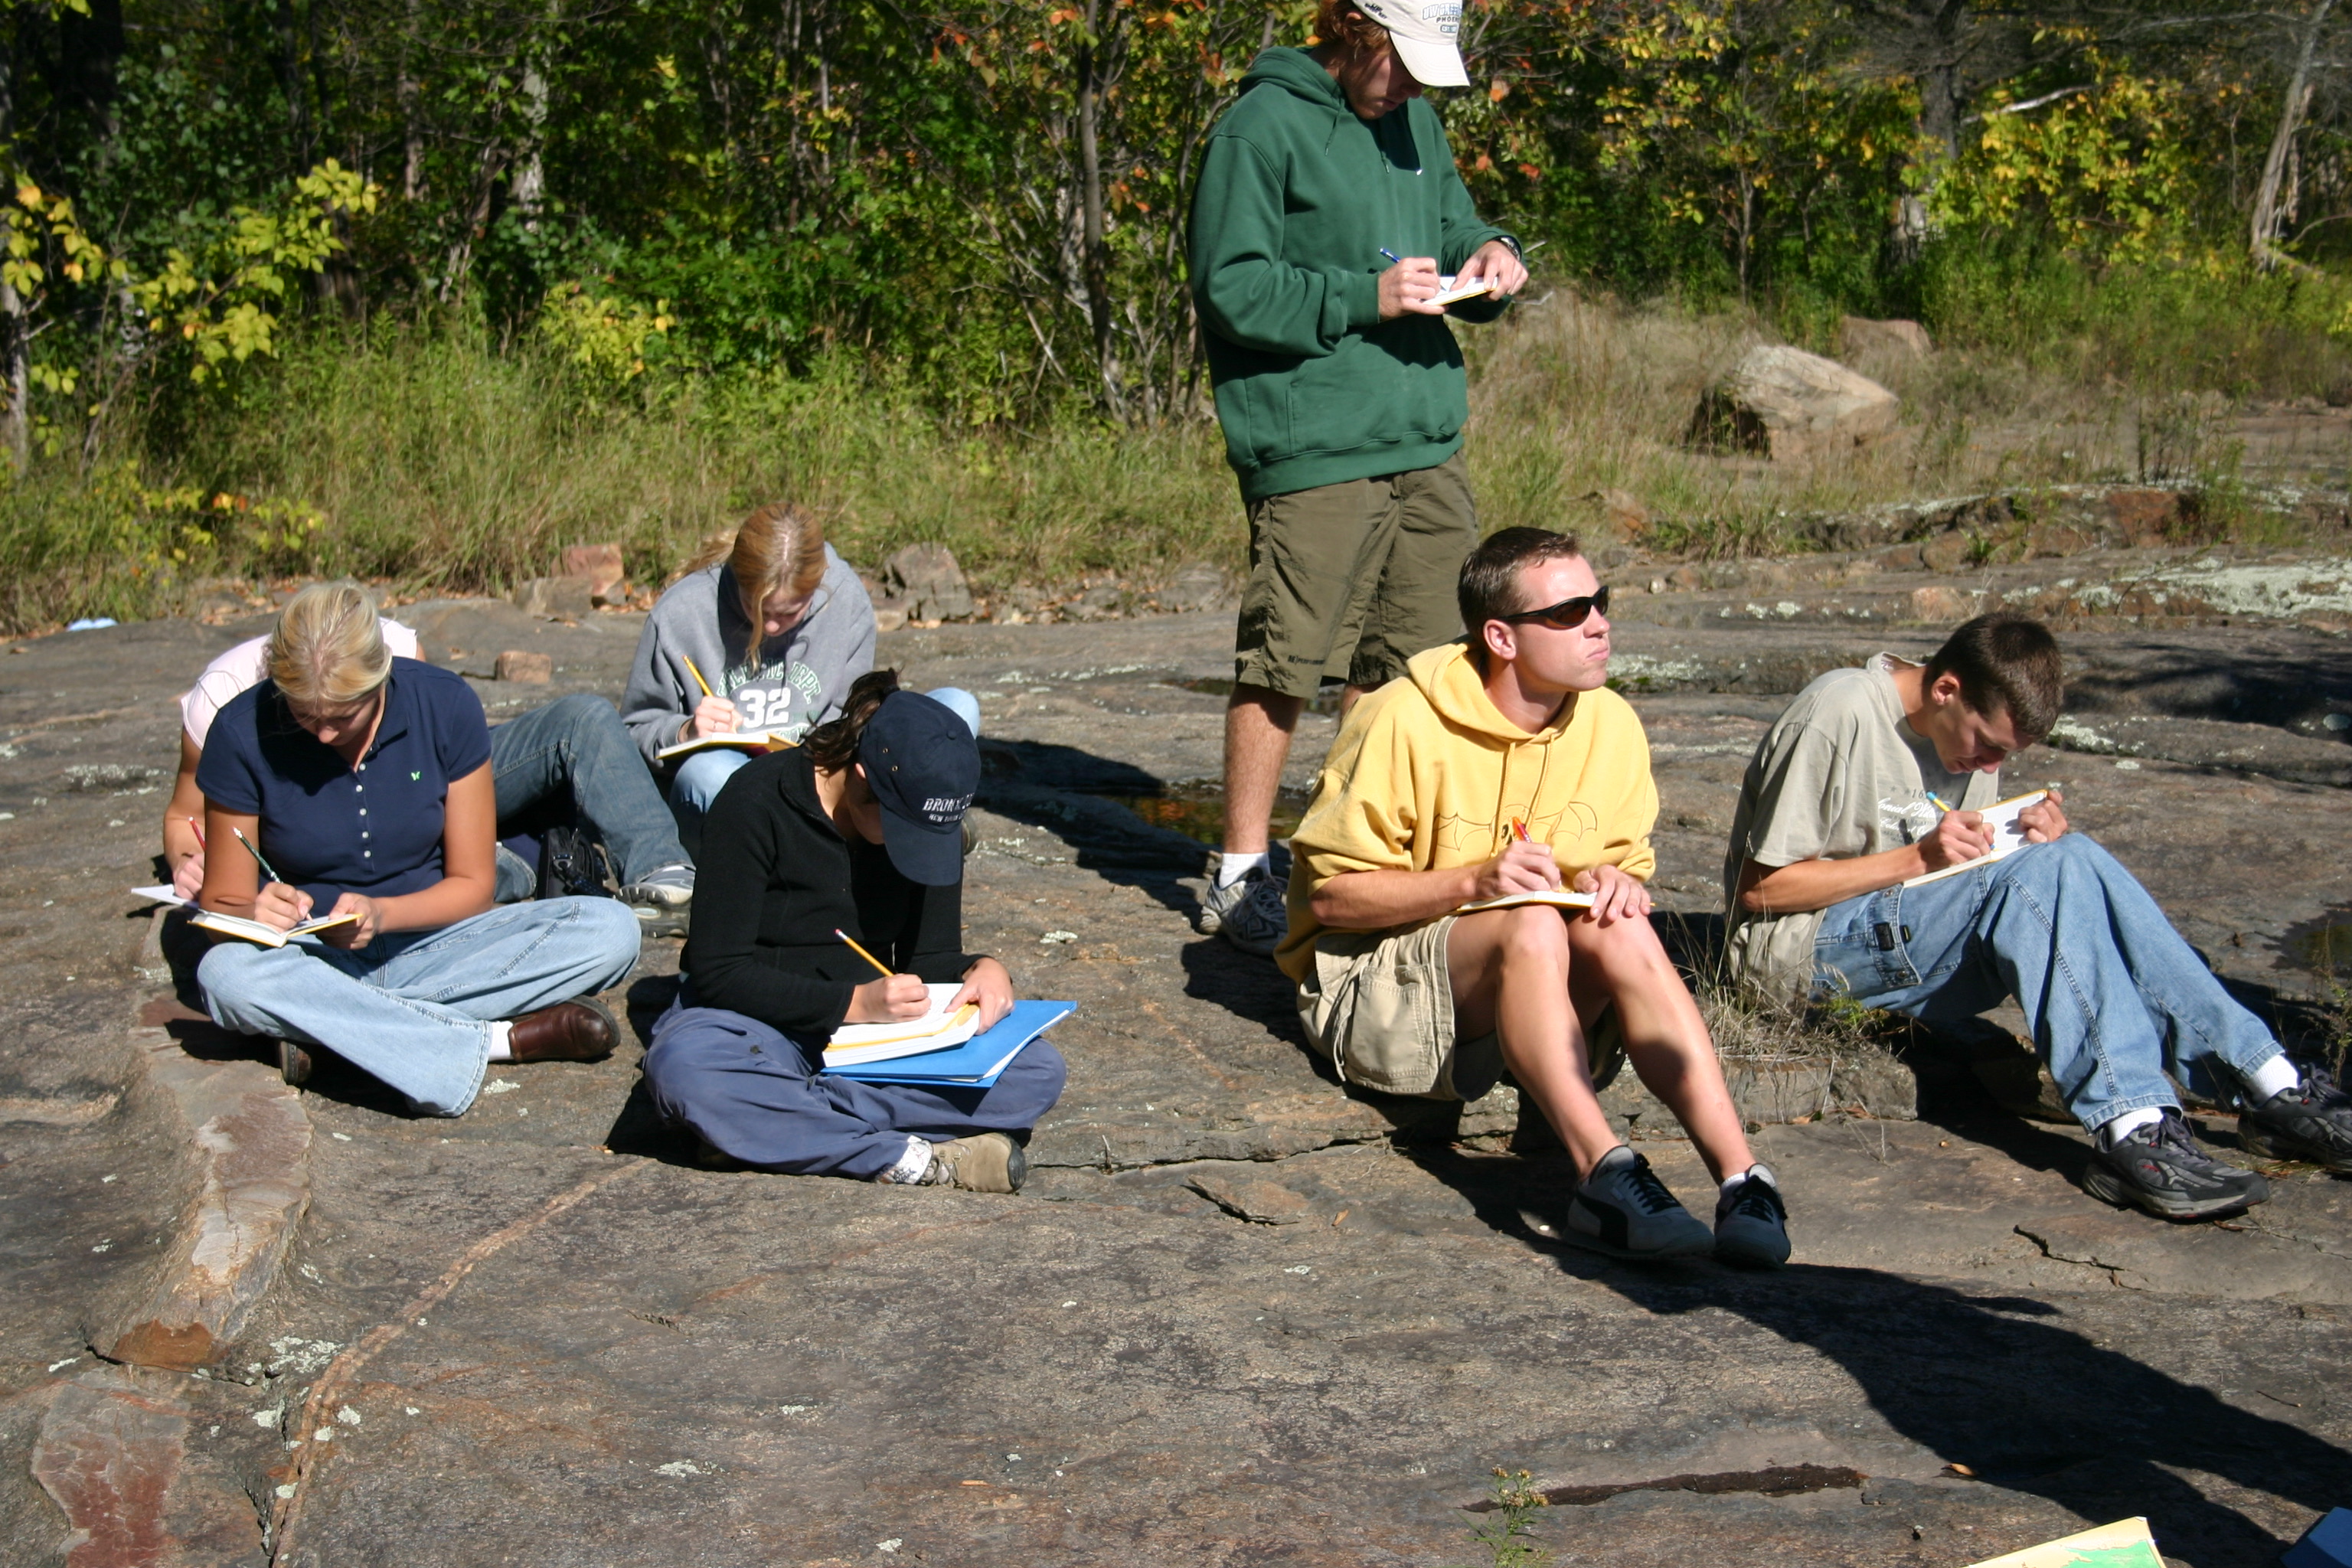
(975, 1064)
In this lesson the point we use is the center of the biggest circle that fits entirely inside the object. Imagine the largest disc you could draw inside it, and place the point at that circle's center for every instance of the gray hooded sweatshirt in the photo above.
(792, 684)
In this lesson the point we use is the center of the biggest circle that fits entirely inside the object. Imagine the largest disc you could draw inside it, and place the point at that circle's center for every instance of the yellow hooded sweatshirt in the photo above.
(1426, 774)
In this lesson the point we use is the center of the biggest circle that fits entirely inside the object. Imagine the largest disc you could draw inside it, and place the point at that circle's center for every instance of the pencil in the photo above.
(199, 828)
(1939, 801)
(706, 692)
(1520, 828)
(886, 969)
(267, 869)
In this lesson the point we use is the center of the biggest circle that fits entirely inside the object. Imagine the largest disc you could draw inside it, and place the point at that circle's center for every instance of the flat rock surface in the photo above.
(1240, 1316)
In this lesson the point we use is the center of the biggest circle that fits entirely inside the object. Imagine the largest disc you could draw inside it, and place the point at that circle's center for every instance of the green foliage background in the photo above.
(425, 288)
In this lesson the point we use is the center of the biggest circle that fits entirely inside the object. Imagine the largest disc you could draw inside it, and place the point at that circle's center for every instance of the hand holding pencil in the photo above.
(714, 715)
(890, 999)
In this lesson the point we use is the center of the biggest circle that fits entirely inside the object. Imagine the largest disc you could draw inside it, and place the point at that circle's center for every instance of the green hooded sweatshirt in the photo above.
(1296, 199)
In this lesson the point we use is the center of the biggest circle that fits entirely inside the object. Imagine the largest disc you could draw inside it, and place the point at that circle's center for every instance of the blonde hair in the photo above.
(780, 545)
(328, 649)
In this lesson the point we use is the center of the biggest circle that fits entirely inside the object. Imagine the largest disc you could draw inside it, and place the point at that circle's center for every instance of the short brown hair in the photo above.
(1489, 583)
(2006, 663)
(1338, 22)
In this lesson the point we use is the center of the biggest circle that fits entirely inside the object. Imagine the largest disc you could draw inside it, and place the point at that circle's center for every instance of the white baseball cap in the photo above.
(1423, 32)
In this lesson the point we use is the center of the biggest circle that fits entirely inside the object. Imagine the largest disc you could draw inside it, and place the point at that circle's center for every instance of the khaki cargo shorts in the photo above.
(1381, 1005)
(1349, 581)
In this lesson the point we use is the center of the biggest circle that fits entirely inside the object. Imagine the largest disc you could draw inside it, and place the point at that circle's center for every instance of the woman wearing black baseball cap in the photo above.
(857, 829)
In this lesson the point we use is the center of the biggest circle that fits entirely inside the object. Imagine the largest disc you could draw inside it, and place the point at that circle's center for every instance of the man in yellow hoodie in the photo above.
(1498, 769)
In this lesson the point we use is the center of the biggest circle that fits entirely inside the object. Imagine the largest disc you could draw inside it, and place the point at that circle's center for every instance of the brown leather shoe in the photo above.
(293, 1063)
(581, 1030)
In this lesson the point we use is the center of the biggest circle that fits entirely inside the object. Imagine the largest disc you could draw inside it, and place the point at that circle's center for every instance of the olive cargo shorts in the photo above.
(1349, 581)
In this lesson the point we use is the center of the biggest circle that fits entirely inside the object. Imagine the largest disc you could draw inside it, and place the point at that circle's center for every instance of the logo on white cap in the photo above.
(1424, 34)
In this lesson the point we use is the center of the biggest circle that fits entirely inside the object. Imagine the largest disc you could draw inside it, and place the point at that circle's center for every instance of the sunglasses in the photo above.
(1568, 614)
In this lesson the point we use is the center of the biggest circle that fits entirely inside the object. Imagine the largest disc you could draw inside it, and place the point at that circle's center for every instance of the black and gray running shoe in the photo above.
(1624, 1210)
(2313, 1122)
(1751, 1223)
(2159, 1168)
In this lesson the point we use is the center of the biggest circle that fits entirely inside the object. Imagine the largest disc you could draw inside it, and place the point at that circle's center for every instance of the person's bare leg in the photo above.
(1258, 725)
(1666, 1039)
(1349, 695)
(1509, 970)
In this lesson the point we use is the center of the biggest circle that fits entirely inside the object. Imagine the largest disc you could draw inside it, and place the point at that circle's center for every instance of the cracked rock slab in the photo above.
(244, 1174)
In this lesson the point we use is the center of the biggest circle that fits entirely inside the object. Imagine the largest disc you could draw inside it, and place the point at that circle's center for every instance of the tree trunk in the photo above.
(15, 375)
(409, 91)
(2269, 211)
(293, 81)
(1094, 254)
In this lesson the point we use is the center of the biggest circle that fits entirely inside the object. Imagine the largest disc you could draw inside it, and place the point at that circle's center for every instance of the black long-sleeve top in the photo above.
(775, 878)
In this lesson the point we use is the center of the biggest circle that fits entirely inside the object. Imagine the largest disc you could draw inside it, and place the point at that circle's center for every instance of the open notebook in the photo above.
(757, 741)
(2008, 836)
(854, 1045)
(266, 935)
(1563, 898)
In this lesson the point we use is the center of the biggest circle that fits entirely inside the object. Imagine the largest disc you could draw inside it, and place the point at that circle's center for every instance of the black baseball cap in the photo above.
(923, 765)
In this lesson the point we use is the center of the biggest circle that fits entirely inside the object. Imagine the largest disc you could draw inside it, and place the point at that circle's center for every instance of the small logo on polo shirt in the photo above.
(413, 777)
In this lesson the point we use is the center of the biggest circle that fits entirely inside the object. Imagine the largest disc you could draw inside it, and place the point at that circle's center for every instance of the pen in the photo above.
(1939, 801)
(706, 692)
(861, 952)
(1520, 828)
(1391, 255)
(199, 828)
(267, 869)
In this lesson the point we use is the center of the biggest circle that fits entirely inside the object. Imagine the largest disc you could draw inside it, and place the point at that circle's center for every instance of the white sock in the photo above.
(1760, 1171)
(913, 1162)
(502, 1041)
(1233, 868)
(2273, 1076)
(2129, 1122)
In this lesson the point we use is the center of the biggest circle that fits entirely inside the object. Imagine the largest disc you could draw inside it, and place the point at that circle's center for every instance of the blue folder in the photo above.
(975, 1064)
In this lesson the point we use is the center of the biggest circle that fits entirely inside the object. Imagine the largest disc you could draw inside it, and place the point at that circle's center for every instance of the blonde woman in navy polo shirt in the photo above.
(365, 782)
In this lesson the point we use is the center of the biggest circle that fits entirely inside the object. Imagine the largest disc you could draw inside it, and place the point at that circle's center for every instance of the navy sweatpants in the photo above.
(754, 1096)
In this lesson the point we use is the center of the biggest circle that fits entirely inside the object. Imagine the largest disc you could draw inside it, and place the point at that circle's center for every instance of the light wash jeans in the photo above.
(701, 776)
(575, 747)
(2113, 993)
(414, 1008)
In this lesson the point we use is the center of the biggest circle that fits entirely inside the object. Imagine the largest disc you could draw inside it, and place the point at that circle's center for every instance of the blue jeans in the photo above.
(701, 776)
(753, 1095)
(414, 1008)
(2114, 995)
(574, 750)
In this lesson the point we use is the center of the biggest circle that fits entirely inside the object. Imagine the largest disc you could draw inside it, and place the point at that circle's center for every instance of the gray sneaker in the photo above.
(2161, 1168)
(663, 898)
(1250, 913)
(1751, 1223)
(1622, 1209)
(2313, 1121)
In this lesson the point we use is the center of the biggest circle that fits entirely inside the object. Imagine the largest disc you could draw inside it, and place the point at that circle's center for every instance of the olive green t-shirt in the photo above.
(1841, 773)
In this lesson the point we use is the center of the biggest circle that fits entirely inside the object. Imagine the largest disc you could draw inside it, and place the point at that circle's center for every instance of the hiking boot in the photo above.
(985, 1163)
(293, 1063)
(1751, 1223)
(1622, 1209)
(1249, 913)
(2313, 1122)
(662, 900)
(2159, 1168)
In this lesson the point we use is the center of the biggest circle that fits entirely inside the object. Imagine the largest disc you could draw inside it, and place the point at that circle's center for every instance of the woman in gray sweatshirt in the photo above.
(763, 635)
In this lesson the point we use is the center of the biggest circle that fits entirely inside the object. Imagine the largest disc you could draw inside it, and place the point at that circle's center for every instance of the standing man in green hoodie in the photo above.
(1327, 211)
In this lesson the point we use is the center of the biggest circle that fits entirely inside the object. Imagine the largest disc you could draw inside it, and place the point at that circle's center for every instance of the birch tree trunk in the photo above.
(2269, 211)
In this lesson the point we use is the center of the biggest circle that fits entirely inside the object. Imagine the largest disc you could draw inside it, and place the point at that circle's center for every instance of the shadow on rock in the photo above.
(1999, 1384)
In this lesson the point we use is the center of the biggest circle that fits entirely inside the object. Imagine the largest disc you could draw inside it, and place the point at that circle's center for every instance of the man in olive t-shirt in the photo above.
(1875, 777)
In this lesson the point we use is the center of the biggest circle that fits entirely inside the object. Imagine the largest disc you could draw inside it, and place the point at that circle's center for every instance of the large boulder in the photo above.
(1787, 403)
(925, 580)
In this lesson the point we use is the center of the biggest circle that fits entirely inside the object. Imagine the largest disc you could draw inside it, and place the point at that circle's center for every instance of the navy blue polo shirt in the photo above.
(327, 827)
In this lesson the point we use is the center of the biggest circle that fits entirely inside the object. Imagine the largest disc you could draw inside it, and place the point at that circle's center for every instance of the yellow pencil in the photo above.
(706, 692)
(886, 969)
